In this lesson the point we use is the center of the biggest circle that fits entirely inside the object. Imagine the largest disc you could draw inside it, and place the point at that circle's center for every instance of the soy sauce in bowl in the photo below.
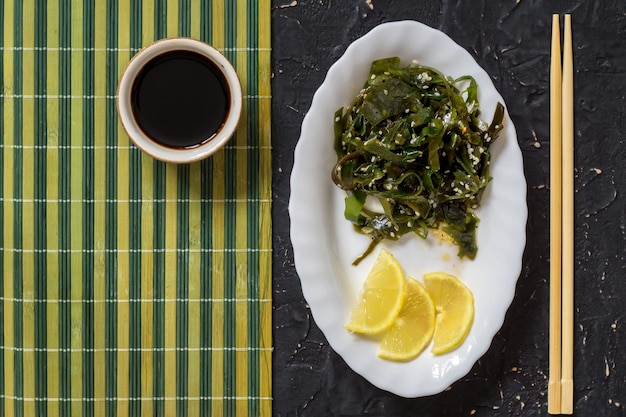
(180, 99)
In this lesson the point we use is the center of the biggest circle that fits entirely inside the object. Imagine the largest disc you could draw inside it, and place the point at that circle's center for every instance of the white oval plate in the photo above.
(325, 244)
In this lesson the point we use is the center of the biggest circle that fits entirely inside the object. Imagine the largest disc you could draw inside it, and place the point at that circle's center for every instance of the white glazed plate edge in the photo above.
(325, 244)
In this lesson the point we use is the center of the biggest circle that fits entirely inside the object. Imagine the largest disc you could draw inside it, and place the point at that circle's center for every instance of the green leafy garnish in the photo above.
(413, 139)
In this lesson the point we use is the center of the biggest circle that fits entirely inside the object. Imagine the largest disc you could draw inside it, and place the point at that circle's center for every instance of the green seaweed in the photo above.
(414, 140)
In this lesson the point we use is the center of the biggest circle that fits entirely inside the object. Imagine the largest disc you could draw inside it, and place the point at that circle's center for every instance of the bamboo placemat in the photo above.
(129, 286)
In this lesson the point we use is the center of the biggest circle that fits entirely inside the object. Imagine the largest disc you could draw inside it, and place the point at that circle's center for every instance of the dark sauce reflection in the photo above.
(180, 99)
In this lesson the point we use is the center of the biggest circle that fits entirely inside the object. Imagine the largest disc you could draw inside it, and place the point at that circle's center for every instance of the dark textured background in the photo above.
(511, 40)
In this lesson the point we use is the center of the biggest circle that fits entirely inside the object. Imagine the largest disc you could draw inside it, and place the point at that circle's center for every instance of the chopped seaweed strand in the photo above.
(414, 140)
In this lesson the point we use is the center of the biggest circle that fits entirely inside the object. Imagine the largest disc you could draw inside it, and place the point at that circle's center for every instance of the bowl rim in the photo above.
(138, 136)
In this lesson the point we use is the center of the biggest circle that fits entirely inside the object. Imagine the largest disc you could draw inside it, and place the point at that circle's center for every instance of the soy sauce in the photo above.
(180, 99)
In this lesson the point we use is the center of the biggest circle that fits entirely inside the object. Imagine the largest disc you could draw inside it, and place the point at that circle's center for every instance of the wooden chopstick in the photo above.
(561, 381)
(554, 379)
(567, 314)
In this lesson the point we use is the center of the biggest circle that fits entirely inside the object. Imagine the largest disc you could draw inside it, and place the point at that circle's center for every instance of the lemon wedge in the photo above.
(382, 297)
(454, 306)
(413, 329)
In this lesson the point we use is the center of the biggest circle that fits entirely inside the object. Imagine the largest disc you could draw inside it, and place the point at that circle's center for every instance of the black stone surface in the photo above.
(510, 39)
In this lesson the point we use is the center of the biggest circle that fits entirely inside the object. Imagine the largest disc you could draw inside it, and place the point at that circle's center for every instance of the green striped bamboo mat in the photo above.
(129, 286)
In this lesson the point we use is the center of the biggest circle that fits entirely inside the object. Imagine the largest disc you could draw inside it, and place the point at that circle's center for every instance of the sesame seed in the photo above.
(337, 118)
(373, 76)
(385, 92)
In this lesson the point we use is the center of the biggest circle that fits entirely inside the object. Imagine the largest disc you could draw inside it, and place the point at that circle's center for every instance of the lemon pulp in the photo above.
(413, 328)
(454, 306)
(382, 297)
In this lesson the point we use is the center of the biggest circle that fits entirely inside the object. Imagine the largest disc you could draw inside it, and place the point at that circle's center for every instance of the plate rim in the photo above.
(299, 243)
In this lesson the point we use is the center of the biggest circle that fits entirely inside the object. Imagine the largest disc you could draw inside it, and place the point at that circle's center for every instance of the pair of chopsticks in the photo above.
(561, 380)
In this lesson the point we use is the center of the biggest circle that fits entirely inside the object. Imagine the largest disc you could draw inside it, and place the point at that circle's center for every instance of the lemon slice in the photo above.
(454, 306)
(382, 298)
(413, 329)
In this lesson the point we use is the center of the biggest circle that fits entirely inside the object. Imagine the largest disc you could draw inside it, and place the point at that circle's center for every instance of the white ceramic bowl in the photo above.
(138, 136)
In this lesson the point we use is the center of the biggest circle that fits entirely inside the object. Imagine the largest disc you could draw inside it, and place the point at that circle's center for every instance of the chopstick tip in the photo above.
(554, 397)
(567, 396)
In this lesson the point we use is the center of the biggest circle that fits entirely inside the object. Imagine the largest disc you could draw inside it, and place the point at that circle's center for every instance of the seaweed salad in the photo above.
(413, 140)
